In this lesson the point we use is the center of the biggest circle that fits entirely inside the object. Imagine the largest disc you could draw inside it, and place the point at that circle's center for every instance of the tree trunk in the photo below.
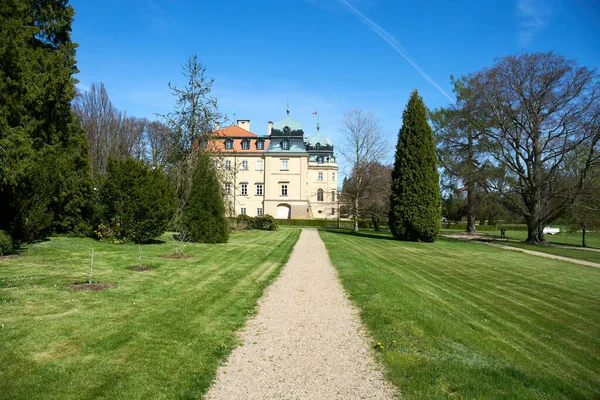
(355, 214)
(375, 220)
(583, 244)
(471, 206)
(471, 212)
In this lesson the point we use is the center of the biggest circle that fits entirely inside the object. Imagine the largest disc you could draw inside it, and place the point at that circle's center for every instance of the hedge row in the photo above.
(509, 227)
(329, 223)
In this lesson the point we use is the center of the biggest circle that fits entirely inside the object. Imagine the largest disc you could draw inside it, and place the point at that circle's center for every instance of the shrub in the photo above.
(6, 244)
(135, 202)
(204, 212)
(266, 222)
(246, 220)
(415, 206)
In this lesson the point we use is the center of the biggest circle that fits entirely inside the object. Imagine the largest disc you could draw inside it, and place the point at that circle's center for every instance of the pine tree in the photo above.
(44, 171)
(203, 215)
(415, 208)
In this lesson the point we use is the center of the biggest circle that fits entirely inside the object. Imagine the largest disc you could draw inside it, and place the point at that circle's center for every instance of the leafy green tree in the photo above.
(44, 172)
(415, 203)
(203, 215)
(135, 202)
(460, 148)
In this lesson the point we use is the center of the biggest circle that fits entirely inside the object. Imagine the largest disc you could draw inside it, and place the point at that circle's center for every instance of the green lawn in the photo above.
(462, 320)
(157, 334)
(563, 238)
(591, 256)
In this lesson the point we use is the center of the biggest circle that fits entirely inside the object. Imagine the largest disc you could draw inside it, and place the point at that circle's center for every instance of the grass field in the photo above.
(156, 334)
(462, 320)
(591, 256)
(563, 238)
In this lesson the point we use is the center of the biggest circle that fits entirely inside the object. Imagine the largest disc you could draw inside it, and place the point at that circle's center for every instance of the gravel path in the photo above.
(306, 342)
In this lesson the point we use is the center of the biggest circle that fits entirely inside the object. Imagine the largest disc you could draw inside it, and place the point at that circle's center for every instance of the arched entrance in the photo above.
(284, 211)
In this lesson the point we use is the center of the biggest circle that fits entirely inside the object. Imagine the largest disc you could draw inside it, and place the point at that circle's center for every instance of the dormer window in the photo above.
(286, 129)
(245, 144)
(318, 146)
(285, 144)
(260, 145)
(320, 159)
(228, 144)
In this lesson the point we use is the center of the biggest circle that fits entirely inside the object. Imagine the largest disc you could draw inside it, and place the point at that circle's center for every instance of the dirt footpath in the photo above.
(306, 342)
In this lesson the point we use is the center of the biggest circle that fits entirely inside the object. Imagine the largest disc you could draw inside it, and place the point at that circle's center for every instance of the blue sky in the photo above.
(330, 55)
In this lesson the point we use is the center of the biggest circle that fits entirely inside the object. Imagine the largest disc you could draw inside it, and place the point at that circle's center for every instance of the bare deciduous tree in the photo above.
(110, 132)
(542, 108)
(363, 147)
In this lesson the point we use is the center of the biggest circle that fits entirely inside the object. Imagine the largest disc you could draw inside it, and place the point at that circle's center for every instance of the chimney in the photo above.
(269, 128)
(217, 126)
(244, 124)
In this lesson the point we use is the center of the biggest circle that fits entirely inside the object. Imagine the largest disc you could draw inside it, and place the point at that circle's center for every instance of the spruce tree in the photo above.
(415, 203)
(203, 215)
(44, 171)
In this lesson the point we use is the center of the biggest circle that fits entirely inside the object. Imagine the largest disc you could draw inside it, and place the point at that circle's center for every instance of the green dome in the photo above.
(320, 139)
(292, 124)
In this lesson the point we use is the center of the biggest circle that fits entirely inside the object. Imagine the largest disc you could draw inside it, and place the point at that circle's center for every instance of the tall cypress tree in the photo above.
(203, 215)
(44, 170)
(415, 203)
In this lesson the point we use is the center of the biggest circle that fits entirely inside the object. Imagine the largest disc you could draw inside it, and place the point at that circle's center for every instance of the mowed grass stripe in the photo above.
(434, 300)
(486, 306)
(157, 334)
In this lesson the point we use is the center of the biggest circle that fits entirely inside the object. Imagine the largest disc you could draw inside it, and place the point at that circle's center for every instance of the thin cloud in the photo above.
(534, 16)
(382, 33)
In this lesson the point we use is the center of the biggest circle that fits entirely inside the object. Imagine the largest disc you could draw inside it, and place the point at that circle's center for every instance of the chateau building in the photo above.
(281, 173)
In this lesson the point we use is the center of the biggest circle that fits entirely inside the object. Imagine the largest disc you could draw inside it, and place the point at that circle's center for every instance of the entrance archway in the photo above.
(284, 211)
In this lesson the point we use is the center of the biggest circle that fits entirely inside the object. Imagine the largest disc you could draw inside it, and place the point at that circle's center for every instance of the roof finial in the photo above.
(287, 110)
(318, 125)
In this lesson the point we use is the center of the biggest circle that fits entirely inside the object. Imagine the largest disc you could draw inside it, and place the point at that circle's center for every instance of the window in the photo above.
(228, 188)
(320, 176)
(227, 164)
(245, 165)
(245, 144)
(320, 195)
(285, 144)
(259, 165)
(259, 189)
(284, 189)
(259, 211)
(228, 144)
(244, 189)
(332, 211)
(332, 195)
(243, 210)
(333, 176)
(284, 165)
(320, 159)
(260, 145)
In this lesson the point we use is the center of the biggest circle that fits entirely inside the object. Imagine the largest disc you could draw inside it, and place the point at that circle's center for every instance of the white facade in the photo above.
(280, 174)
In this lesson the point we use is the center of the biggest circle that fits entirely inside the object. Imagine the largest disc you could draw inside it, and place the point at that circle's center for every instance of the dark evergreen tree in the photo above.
(44, 170)
(415, 203)
(135, 202)
(203, 215)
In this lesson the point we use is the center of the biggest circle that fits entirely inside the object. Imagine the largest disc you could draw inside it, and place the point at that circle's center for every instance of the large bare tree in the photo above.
(363, 147)
(541, 108)
(110, 132)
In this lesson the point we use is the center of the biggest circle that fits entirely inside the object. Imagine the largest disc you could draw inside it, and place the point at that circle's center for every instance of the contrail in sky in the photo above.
(394, 43)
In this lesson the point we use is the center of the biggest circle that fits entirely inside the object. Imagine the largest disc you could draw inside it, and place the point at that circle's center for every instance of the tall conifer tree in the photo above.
(44, 170)
(203, 215)
(415, 203)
